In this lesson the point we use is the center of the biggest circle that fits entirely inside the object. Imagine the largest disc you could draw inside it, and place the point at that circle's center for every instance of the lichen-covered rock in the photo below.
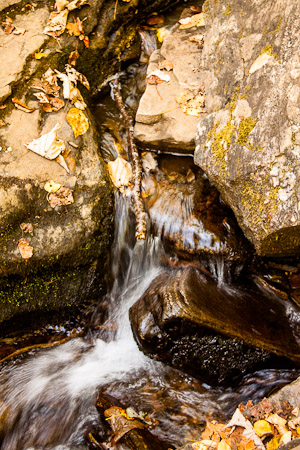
(249, 143)
(214, 332)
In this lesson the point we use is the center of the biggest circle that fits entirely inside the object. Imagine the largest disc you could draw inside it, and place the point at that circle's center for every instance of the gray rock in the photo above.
(248, 144)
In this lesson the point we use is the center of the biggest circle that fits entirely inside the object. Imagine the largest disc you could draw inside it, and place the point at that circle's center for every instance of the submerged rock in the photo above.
(214, 332)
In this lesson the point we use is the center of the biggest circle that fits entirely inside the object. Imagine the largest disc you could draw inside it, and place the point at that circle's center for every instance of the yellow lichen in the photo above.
(245, 128)
(221, 141)
(227, 11)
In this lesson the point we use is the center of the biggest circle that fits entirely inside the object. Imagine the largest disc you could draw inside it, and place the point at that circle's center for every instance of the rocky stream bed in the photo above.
(202, 314)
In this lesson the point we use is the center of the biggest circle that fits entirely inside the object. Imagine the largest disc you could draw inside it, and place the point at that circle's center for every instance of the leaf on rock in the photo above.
(76, 99)
(262, 428)
(73, 29)
(8, 26)
(162, 33)
(75, 76)
(157, 77)
(40, 55)
(279, 423)
(51, 186)
(73, 58)
(77, 4)
(78, 121)
(155, 20)
(194, 21)
(238, 420)
(61, 4)
(19, 31)
(25, 249)
(120, 172)
(22, 106)
(190, 103)
(198, 39)
(49, 146)
(57, 23)
(62, 197)
(27, 227)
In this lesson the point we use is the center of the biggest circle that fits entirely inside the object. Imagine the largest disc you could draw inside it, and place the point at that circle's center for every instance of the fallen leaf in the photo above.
(155, 20)
(295, 411)
(190, 103)
(48, 145)
(204, 445)
(57, 23)
(166, 65)
(27, 227)
(238, 420)
(120, 172)
(76, 4)
(73, 58)
(25, 249)
(194, 21)
(51, 186)
(19, 31)
(3, 106)
(76, 99)
(262, 428)
(223, 445)
(71, 163)
(279, 423)
(67, 84)
(7, 25)
(198, 39)
(196, 9)
(2, 123)
(75, 76)
(85, 40)
(294, 423)
(22, 106)
(285, 438)
(78, 121)
(40, 55)
(157, 77)
(73, 29)
(62, 197)
(61, 4)
(162, 33)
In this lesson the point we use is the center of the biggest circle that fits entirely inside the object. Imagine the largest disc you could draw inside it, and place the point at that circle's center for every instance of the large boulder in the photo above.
(249, 142)
(213, 331)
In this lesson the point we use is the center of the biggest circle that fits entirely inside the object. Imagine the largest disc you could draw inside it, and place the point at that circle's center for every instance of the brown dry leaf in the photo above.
(71, 163)
(155, 20)
(213, 431)
(76, 99)
(25, 249)
(166, 65)
(78, 121)
(7, 25)
(73, 58)
(85, 40)
(194, 21)
(27, 227)
(75, 76)
(205, 444)
(22, 106)
(76, 4)
(57, 23)
(120, 173)
(62, 197)
(73, 29)
(279, 423)
(157, 77)
(198, 39)
(61, 4)
(196, 9)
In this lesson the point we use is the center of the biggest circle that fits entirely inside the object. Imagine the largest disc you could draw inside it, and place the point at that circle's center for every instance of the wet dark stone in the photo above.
(215, 333)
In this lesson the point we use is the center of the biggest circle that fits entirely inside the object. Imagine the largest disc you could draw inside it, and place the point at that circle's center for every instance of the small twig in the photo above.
(115, 12)
(134, 157)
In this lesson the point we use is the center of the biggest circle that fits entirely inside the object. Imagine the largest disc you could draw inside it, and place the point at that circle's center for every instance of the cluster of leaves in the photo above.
(252, 427)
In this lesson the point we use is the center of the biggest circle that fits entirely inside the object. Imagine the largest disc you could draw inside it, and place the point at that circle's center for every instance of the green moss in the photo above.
(245, 128)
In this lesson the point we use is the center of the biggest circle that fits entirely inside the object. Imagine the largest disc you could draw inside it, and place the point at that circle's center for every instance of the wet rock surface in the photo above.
(248, 144)
(214, 332)
(186, 210)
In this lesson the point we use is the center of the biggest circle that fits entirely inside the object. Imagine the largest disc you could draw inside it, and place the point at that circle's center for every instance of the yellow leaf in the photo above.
(40, 55)
(78, 121)
(298, 430)
(223, 445)
(279, 423)
(162, 33)
(51, 186)
(120, 172)
(262, 428)
(273, 443)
